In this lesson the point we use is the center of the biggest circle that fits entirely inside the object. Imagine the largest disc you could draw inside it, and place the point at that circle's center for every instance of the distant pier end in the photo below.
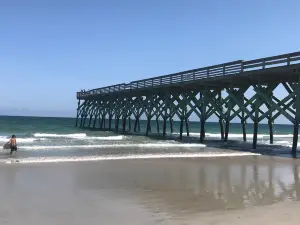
(215, 90)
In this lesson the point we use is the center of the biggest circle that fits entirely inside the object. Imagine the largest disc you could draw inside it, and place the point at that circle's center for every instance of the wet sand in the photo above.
(233, 190)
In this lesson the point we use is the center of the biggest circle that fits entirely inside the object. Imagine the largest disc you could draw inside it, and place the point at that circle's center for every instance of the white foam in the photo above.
(115, 138)
(20, 140)
(144, 156)
(78, 136)
(130, 145)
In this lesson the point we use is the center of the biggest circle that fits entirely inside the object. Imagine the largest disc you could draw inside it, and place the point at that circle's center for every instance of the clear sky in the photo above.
(49, 49)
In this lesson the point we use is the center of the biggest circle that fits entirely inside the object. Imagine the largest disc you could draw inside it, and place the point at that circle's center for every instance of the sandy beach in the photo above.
(233, 190)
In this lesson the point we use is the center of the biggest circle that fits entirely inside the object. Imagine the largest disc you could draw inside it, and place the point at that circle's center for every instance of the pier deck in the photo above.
(201, 92)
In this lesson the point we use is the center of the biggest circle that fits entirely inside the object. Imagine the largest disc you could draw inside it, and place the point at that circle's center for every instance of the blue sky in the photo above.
(51, 49)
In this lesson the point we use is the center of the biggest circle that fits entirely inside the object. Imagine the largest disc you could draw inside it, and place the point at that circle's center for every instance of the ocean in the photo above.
(57, 139)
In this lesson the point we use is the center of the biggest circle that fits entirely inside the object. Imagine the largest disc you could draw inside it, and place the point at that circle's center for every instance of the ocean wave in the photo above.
(5, 139)
(123, 157)
(130, 145)
(78, 136)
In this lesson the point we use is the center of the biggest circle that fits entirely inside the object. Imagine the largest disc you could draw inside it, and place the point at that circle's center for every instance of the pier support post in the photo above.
(256, 105)
(157, 125)
(164, 126)
(95, 117)
(81, 120)
(271, 130)
(129, 124)
(221, 129)
(295, 137)
(270, 109)
(139, 126)
(124, 124)
(148, 125)
(226, 130)
(104, 121)
(95, 121)
(117, 123)
(171, 125)
(90, 120)
(137, 113)
(165, 109)
(219, 108)
(243, 122)
(270, 119)
(187, 124)
(181, 127)
(99, 118)
(101, 122)
(244, 130)
(183, 118)
(203, 115)
(202, 132)
(149, 111)
(76, 120)
(255, 130)
(109, 121)
(297, 117)
(136, 124)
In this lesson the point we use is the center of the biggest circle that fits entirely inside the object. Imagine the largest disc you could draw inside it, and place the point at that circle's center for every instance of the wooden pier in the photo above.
(215, 90)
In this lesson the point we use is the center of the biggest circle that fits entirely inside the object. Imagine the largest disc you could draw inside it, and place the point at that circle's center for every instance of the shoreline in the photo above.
(129, 151)
(31, 160)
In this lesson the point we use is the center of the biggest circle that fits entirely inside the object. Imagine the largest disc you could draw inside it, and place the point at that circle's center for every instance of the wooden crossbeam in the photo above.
(276, 106)
(235, 96)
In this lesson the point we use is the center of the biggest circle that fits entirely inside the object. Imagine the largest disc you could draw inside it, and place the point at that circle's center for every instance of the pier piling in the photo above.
(295, 136)
(226, 130)
(244, 131)
(187, 127)
(270, 131)
(221, 129)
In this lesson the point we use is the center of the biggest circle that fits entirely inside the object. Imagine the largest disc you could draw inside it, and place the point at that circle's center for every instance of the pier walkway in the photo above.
(215, 90)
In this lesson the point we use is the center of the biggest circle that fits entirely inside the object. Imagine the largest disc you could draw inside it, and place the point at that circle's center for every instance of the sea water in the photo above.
(42, 139)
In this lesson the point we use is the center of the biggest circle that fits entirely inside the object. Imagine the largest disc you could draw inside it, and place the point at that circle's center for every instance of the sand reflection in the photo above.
(199, 185)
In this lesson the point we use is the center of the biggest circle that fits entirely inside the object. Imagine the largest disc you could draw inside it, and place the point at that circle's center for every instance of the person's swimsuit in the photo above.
(13, 147)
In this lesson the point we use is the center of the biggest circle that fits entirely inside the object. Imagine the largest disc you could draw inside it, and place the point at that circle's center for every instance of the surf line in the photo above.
(124, 157)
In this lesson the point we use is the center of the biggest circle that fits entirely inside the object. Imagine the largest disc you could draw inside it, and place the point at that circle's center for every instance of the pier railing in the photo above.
(231, 68)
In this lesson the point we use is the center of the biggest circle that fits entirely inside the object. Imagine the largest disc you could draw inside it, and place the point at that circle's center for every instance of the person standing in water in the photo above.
(13, 143)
